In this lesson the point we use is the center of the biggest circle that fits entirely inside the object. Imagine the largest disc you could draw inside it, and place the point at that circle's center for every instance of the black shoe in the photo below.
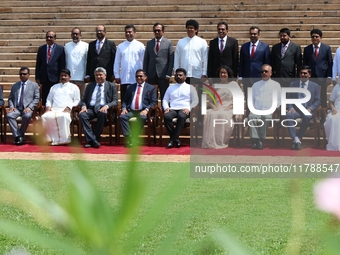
(20, 141)
(93, 143)
(294, 146)
(298, 146)
(170, 144)
(259, 145)
(255, 143)
(177, 143)
(16, 139)
(128, 144)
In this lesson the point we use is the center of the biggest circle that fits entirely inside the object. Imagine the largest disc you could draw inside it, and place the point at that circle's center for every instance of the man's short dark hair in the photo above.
(285, 30)
(157, 24)
(306, 68)
(130, 26)
(66, 71)
(181, 70)
(316, 31)
(23, 68)
(76, 28)
(223, 23)
(141, 70)
(192, 22)
(255, 27)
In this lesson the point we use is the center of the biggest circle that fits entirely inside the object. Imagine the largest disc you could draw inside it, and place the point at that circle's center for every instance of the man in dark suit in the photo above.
(50, 61)
(223, 50)
(286, 59)
(159, 59)
(319, 57)
(98, 98)
(294, 112)
(253, 55)
(101, 53)
(139, 99)
(23, 98)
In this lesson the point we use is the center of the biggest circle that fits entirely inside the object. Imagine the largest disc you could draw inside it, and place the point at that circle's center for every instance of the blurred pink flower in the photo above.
(327, 196)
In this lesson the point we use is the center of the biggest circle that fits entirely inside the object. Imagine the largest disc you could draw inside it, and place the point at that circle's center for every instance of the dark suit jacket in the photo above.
(288, 66)
(322, 67)
(49, 71)
(31, 95)
(149, 97)
(314, 101)
(2, 102)
(161, 63)
(229, 56)
(251, 68)
(105, 58)
(110, 91)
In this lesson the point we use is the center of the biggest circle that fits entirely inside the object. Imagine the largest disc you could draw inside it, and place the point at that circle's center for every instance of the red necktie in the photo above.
(253, 51)
(157, 46)
(316, 52)
(137, 97)
(49, 54)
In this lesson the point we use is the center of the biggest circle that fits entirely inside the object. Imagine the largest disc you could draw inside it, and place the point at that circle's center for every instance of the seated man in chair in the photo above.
(99, 96)
(23, 98)
(312, 105)
(139, 99)
(57, 117)
(178, 101)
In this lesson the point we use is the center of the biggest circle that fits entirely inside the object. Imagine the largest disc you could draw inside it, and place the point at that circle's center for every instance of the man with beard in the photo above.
(286, 59)
(56, 120)
(178, 101)
(101, 53)
(76, 57)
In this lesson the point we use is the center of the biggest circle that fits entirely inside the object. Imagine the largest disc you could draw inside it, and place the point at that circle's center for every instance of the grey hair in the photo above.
(100, 69)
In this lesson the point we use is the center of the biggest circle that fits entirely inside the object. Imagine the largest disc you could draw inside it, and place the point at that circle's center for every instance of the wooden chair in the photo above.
(34, 122)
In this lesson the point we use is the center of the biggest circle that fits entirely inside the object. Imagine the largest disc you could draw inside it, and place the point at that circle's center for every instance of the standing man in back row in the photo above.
(159, 59)
(223, 50)
(318, 56)
(50, 61)
(286, 59)
(101, 53)
(129, 59)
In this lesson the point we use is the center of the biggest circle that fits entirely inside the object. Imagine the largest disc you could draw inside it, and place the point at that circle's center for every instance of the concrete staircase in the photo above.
(24, 23)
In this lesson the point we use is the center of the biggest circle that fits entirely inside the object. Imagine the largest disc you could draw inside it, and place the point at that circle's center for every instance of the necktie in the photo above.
(21, 101)
(100, 44)
(157, 46)
(253, 51)
(302, 85)
(283, 50)
(137, 97)
(316, 52)
(221, 46)
(98, 99)
(49, 54)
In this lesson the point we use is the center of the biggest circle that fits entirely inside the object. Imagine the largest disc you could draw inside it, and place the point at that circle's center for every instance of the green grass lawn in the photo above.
(268, 216)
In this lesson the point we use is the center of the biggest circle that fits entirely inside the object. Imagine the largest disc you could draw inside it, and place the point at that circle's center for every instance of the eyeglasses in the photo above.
(157, 30)
(23, 74)
(49, 37)
(264, 71)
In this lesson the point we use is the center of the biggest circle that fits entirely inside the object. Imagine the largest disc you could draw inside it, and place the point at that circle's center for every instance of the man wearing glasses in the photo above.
(318, 56)
(23, 98)
(262, 99)
(50, 61)
(159, 59)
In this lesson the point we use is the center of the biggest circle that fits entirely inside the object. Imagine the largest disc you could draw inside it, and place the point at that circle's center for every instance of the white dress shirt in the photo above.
(62, 96)
(140, 98)
(76, 57)
(180, 96)
(263, 94)
(192, 55)
(129, 58)
(336, 65)
(94, 95)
